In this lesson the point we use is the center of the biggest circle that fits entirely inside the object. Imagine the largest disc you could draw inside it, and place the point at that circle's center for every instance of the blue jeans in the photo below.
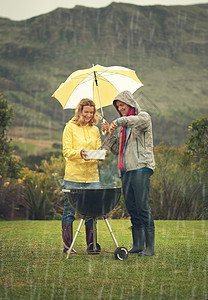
(69, 212)
(135, 186)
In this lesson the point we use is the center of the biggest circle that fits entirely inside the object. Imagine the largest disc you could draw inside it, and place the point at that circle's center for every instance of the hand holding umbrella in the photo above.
(105, 126)
(109, 128)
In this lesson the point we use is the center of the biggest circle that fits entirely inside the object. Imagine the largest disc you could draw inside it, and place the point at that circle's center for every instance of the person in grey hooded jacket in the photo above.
(134, 145)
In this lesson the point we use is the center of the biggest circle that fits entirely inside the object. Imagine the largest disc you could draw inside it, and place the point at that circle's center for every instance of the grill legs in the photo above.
(91, 239)
(75, 237)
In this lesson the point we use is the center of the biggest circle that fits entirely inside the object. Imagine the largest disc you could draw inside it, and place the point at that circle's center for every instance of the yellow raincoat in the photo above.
(76, 138)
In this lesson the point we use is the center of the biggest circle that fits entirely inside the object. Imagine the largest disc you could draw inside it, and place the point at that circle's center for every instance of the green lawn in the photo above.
(26, 147)
(32, 265)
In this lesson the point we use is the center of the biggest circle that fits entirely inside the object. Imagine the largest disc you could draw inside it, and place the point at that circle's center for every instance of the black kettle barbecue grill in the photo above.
(95, 202)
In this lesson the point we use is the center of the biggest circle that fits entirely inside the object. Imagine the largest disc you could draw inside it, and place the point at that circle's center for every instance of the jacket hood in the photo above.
(127, 98)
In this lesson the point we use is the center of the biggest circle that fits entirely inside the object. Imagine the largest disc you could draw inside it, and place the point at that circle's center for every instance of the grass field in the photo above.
(32, 265)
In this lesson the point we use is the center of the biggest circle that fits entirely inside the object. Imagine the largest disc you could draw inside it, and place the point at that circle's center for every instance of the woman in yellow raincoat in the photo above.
(80, 134)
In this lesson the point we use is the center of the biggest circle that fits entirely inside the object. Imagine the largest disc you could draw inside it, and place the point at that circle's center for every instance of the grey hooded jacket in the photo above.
(139, 141)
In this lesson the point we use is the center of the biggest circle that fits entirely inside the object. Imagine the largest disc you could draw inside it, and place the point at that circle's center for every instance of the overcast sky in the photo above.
(25, 9)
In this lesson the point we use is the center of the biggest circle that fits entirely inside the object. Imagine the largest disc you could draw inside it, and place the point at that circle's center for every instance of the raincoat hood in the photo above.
(127, 98)
(138, 152)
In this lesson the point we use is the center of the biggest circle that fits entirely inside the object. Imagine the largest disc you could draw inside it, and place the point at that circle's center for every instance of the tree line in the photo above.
(178, 189)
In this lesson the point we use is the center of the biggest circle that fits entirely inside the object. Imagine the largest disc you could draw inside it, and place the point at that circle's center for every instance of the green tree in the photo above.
(197, 146)
(198, 141)
(9, 166)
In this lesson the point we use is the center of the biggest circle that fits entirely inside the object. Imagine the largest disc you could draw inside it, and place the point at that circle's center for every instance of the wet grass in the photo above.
(32, 265)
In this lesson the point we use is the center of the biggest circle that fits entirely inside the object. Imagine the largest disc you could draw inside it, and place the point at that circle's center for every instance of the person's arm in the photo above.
(68, 151)
(111, 141)
(142, 121)
(113, 144)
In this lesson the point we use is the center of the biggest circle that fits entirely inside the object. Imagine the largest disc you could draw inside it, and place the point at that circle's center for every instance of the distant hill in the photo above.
(166, 45)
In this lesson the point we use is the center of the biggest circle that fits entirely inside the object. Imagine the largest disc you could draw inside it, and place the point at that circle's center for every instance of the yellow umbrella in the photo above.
(101, 84)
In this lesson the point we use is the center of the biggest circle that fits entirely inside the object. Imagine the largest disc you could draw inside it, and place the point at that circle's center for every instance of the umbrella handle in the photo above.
(104, 132)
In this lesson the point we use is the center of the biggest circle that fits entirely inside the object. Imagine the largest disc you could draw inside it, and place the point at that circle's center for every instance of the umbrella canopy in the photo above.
(101, 84)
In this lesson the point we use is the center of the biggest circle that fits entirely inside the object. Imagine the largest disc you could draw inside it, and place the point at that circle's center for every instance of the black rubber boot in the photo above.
(138, 240)
(89, 234)
(67, 236)
(150, 242)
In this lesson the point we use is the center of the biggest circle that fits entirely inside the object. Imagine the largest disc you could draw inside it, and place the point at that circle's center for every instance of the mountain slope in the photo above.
(166, 46)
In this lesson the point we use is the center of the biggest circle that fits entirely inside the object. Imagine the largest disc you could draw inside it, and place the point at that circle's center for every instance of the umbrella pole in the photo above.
(96, 82)
(100, 105)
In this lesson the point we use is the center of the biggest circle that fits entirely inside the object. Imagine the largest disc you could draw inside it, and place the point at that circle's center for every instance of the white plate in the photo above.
(95, 154)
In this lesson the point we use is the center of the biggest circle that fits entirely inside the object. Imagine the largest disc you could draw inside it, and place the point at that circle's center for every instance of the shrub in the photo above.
(177, 188)
(11, 200)
(36, 197)
(42, 192)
